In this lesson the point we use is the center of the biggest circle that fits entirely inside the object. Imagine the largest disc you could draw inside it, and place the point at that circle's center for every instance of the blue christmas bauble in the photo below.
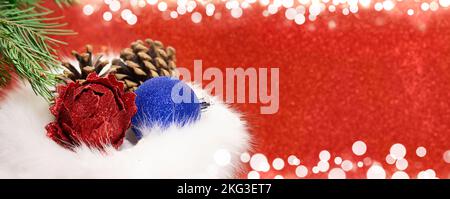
(164, 101)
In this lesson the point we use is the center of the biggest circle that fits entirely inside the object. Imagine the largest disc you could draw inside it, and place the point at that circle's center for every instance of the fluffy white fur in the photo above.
(188, 152)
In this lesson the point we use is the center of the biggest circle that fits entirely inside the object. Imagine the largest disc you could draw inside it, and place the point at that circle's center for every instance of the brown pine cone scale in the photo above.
(86, 65)
(142, 61)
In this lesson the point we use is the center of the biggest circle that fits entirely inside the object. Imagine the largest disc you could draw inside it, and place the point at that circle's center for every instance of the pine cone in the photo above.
(86, 65)
(144, 60)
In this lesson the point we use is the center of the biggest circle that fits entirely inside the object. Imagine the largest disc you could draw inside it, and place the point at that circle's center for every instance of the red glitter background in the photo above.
(377, 77)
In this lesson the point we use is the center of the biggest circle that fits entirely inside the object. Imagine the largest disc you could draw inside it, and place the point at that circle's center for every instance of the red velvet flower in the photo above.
(96, 112)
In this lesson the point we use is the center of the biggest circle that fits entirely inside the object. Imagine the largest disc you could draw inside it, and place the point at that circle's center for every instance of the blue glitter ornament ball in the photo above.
(164, 101)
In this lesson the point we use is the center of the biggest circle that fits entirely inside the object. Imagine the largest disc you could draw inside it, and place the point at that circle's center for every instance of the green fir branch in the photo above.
(62, 3)
(5, 76)
(27, 3)
(26, 45)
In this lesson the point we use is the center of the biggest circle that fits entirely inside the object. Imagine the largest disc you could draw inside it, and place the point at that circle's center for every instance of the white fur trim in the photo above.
(188, 152)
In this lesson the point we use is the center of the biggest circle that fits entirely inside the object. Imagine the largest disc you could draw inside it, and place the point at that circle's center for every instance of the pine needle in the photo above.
(26, 45)
(5, 76)
(62, 3)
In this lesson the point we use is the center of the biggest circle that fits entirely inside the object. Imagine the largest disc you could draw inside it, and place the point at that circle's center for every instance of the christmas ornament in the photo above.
(87, 64)
(96, 112)
(170, 153)
(144, 60)
(92, 112)
(164, 101)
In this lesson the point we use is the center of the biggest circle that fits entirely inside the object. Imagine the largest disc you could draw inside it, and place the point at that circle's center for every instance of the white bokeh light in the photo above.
(287, 3)
(365, 3)
(434, 6)
(259, 162)
(173, 14)
(400, 175)
(304, 2)
(398, 151)
(314, 9)
(315, 170)
(352, 2)
(300, 9)
(152, 2)
(293, 160)
(141, 3)
(347, 165)
(376, 172)
(337, 160)
(196, 17)
(245, 4)
(210, 8)
(290, 13)
(388, 5)
(359, 148)
(378, 6)
(191, 5)
(126, 14)
(324, 155)
(447, 156)
(278, 177)
(272, 9)
(425, 6)
(182, 2)
(444, 3)
(253, 175)
(181, 10)
(232, 4)
(354, 9)
(331, 8)
(431, 173)
(390, 159)
(336, 173)
(278, 164)
(345, 11)
(114, 5)
(360, 164)
(299, 19)
(132, 20)
(421, 151)
(301, 171)
(236, 12)
(427, 174)
(162, 6)
(401, 164)
(245, 157)
(88, 9)
(107, 16)
(323, 166)
(264, 2)
(297, 10)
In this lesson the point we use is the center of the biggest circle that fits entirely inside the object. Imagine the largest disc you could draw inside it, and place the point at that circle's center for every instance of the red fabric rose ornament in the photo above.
(96, 112)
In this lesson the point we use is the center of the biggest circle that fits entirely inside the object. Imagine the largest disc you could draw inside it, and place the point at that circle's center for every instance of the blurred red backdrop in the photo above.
(376, 77)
